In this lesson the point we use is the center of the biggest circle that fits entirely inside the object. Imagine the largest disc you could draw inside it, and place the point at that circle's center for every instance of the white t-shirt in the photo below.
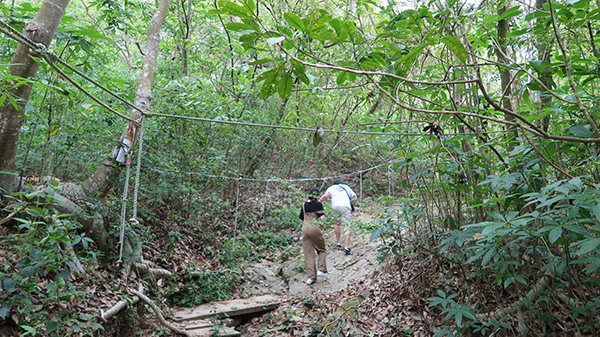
(339, 197)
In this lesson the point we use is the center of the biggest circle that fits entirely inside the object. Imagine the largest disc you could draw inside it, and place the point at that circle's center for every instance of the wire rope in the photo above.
(124, 207)
(137, 172)
(51, 58)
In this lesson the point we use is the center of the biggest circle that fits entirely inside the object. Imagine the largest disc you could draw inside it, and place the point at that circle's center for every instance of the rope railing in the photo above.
(287, 180)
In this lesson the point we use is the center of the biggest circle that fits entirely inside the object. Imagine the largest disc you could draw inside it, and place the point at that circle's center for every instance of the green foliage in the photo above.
(41, 280)
(556, 237)
(202, 287)
(280, 218)
(396, 217)
(489, 199)
(464, 316)
(251, 245)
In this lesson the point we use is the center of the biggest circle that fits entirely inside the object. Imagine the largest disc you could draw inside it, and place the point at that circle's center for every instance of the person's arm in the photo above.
(301, 216)
(320, 211)
(324, 197)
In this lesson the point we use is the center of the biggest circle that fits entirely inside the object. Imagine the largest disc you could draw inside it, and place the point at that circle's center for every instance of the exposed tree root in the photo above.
(159, 313)
(531, 296)
(154, 272)
(10, 216)
(69, 249)
(78, 266)
(105, 315)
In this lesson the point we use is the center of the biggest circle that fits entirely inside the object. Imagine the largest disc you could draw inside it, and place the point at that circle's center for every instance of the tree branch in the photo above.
(569, 71)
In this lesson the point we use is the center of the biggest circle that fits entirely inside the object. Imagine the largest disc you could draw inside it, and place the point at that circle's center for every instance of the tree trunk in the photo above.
(41, 30)
(543, 50)
(501, 52)
(184, 12)
(142, 99)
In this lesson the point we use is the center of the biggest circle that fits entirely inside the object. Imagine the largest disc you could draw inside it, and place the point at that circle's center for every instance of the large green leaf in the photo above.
(285, 85)
(555, 234)
(261, 61)
(294, 21)
(237, 26)
(52, 326)
(249, 5)
(341, 78)
(8, 285)
(596, 211)
(340, 29)
(397, 50)
(511, 12)
(456, 47)
(236, 10)
(407, 60)
(580, 131)
(269, 78)
(587, 245)
(268, 75)
(266, 90)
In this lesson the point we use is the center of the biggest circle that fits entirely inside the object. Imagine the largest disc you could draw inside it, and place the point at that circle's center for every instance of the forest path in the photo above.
(286, 280)
(342, 269)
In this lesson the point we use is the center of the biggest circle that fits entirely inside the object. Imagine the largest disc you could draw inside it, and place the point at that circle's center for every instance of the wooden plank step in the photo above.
(191, 325)
(208, 332)
(228, 308)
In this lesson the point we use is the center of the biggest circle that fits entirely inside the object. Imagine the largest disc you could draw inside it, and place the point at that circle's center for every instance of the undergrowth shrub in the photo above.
(553, 240)
(38, 279)
(279, 218)
(251, 246)
(201, 287)
(395, 218)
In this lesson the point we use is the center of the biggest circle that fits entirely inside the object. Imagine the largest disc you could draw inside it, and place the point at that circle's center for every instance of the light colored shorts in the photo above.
(345, 215)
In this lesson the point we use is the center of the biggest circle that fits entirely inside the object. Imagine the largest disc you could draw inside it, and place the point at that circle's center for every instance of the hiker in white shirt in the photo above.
(341, 198)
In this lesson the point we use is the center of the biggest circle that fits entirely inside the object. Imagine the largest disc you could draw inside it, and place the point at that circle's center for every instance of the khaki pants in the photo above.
(312, 240)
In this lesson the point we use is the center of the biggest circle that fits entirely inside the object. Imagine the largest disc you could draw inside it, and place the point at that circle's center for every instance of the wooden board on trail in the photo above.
(228, 308)
(207, 332)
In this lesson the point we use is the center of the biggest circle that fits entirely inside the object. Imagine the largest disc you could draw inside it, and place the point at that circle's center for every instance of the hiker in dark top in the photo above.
(312, 237)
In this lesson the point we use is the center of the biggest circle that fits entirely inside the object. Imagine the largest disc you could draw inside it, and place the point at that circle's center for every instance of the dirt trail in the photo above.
(287, 280)
(290, 277)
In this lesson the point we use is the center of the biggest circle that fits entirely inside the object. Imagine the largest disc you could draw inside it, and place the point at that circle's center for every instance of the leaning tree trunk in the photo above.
(41, 30)
(132, 250)
(142, 99)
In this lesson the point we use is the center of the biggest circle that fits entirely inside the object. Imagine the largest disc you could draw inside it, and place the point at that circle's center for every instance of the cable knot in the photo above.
(134, 222)
(39, 50)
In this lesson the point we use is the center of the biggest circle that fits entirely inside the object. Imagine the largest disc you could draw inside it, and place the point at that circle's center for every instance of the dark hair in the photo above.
(313, 193)
(337, 182)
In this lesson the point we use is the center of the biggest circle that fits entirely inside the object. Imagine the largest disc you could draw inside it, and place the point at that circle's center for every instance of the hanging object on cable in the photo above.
(125, 145)
(318, 136)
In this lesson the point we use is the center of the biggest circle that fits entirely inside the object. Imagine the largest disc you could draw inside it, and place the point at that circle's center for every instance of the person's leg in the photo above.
(347, 243)
(309, 252)
(319, 244)
(339, 211)
(346, 218)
